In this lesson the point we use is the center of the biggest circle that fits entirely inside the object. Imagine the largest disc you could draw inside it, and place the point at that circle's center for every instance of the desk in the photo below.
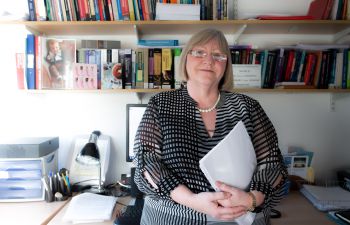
(29, 213)
(297, 210)
(57, 220)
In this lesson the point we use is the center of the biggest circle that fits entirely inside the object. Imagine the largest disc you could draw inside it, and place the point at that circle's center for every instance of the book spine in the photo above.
(20, 66)
(38, 62)
(115, 10)
(140, 10)
(119, 8)
(145, 68)
(30, 61)
(31, 9)
(157, 69)
(177, 77)
(348, 72)
(125, 9)
(150, 68)
(139, 78)
(167, 69)
(99, 65)
(345, 68)
(97, 10)
(131, 10)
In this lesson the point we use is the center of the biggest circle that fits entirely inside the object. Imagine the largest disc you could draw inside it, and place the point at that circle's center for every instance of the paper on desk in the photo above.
(90, 208)
(233, 162)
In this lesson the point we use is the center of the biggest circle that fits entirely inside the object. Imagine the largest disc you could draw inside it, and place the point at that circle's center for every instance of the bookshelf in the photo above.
(51, 28)
(336, 28)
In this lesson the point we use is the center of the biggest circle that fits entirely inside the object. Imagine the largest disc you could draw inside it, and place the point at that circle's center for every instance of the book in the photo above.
(158, 42)
(58, 56)
(84, 76)
(317, 9)
(271, 17)
(167, 77)
(20, 66)
(177, 77)
(140, 68)
(30, 61)
(112, 76)
(232, 161)
(157, 68)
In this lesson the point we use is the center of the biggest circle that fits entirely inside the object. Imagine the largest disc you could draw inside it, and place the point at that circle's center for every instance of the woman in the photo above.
(179, 127)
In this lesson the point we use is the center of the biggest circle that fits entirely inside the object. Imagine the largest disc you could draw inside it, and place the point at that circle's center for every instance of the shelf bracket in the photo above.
(33, 31)
(140, 96)
(341, 34)
(239, 32)
(137, 32)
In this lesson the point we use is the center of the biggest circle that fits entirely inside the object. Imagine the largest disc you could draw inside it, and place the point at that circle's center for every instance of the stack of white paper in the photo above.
(233, 162)
(327, 198)
(90, 208)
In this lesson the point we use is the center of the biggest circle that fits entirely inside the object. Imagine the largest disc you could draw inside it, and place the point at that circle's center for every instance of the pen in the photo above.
(60, 181)
(68, 183)
(50, 181)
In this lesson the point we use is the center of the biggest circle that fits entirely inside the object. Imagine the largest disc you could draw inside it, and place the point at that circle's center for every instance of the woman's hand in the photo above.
(238, 197)
(206, 202)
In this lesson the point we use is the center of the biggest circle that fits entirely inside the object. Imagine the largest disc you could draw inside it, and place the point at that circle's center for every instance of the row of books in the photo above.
(329, 9)
(110, 10)
(322, 68)
(54, 63)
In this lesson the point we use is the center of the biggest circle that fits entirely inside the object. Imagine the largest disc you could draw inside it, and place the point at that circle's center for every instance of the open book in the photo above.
(232, 161)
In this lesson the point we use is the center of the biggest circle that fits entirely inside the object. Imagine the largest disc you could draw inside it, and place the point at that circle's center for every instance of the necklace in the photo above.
(211, 108)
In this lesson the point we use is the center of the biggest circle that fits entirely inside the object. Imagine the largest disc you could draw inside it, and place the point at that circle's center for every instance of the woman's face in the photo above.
(206, 64)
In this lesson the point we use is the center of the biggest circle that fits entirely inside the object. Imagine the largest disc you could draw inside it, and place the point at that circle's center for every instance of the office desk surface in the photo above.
(297, 210)
(29, 213)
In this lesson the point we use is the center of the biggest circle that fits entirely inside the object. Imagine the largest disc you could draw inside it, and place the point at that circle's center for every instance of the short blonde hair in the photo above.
(201, 38)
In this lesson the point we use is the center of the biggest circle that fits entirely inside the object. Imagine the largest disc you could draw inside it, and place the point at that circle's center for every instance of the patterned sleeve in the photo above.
(271, 173)
(147, 148)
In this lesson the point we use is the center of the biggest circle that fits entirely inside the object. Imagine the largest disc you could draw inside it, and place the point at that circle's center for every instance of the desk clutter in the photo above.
(57, 186)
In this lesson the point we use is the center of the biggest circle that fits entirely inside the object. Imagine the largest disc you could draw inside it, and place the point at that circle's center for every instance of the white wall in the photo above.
(300, 119)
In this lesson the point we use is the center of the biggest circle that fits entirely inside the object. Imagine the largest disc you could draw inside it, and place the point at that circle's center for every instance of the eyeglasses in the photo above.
(219, 57)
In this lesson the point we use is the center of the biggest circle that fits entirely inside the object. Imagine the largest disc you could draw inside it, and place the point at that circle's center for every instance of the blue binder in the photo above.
(30, 61)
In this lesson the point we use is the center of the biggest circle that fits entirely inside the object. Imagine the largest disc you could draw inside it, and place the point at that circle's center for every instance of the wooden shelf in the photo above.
(52, 28)
(151, 91)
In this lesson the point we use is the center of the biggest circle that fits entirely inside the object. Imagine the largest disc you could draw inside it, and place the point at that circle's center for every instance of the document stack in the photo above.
(90, 208)
(327, 198)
